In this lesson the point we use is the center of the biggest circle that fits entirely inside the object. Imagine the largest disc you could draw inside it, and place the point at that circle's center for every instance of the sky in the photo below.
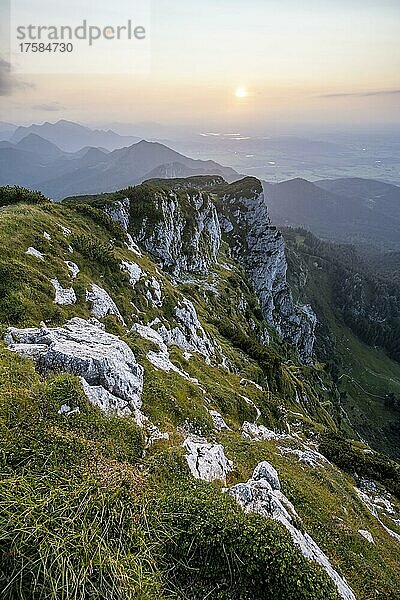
(220, 64)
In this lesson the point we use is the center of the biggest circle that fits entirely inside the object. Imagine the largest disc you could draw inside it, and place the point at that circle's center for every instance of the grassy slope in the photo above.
(82, 501)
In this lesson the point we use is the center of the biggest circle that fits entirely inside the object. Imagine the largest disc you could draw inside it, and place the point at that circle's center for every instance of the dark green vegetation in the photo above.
(358, 332)
(87, 512)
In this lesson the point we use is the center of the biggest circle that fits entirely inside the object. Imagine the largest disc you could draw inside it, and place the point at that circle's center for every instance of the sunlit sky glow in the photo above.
(221, 63)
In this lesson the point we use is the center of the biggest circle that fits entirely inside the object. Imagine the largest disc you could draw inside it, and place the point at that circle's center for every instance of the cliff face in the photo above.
(260, 247)
(180, 228)
(184, 230)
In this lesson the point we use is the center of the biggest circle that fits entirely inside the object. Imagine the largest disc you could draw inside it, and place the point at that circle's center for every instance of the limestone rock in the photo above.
(133, 270)
(367, 535)
(218, 420)
(119, 212)
(33, 252)
(102, 303)
(161, 359)
(183, 233)
(73, 268)
(261, 249)
(253, 431)
(190, 334)
(111, 376)
(63, 296)
(206, 460)
(262, 495)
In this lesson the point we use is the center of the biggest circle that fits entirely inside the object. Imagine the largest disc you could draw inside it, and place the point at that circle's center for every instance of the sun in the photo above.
(241, 92)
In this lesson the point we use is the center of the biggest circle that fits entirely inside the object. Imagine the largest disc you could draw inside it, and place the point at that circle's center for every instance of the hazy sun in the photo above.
(241, 92)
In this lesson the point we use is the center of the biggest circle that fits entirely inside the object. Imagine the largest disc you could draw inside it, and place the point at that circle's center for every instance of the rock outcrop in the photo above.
(262, 495)
(189, 335)
(111, 376)
(260, 247)
(206, 460)
(102, 303)
(119, 212)
(180, 229)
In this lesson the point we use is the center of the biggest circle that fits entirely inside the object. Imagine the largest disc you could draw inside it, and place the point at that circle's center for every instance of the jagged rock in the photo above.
(154, 293)
(311, 458)
(246, 382)
(377, 505)
(132, 246)
(206, 460)
(253, 431)
(190, 335)
(119, 212)
(111, 376)
(183, 233)
(218, 420)
(367, 535)
(261, 249)
(133, 270)
(63, 296)
(73, 268)
(33, 252)
(161, 359)
(102, 303)
(262, 495)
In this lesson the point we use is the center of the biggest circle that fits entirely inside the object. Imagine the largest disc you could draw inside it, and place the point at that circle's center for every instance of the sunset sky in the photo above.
(316, 62)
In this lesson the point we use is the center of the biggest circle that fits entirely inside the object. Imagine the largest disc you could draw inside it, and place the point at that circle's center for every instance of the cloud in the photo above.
(361, 94)
(8, 81)
(49, 107)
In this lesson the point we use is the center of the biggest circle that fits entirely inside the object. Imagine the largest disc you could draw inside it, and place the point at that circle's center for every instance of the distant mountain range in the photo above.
(35, 162)
(70, 136)
(363, 212)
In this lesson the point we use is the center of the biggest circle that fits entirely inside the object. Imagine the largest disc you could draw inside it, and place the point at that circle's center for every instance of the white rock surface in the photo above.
(113, 378)
(372, 501)
(218, 420)
(119, 212)
(190, 334)
(132, 246)
(65, 230)
(102, 303)
(33, 252)
(206, 460)
(65, 409)
(260, 247)
(255, 432)
(161, 359)
(64, 296)
(367, 535)
(133, 270)
(46, 236)
(309, 457)
(154, 293)
(262, 495)
(72, 268)
(182, 243)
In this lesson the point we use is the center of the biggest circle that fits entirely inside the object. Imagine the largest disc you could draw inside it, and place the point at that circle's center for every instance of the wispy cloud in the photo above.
(49, 107)
(361, 94)
(8, 81)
